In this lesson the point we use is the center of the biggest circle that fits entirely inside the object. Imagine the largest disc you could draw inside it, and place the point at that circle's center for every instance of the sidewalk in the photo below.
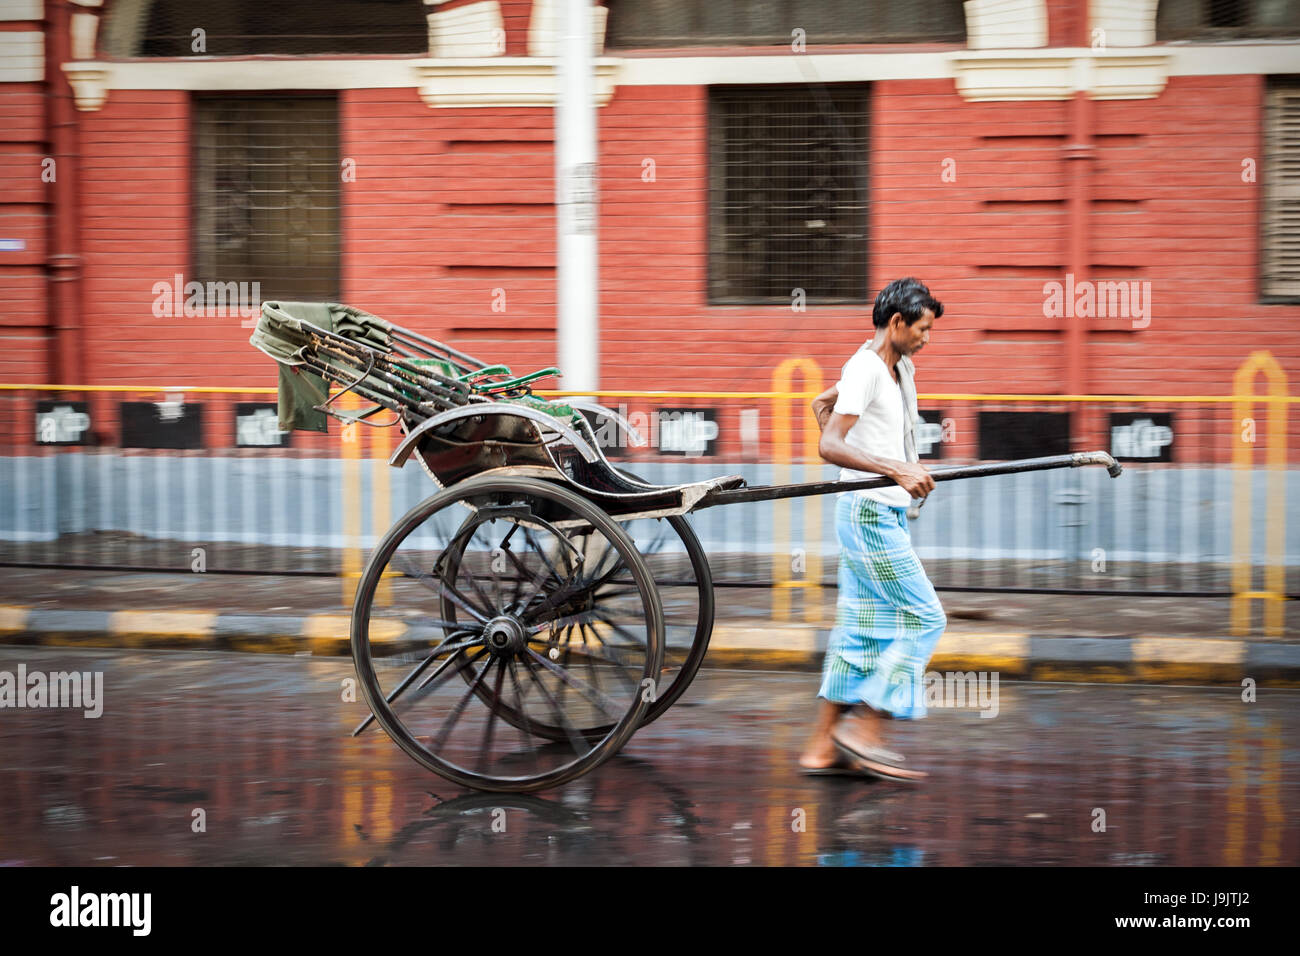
(1032, 636)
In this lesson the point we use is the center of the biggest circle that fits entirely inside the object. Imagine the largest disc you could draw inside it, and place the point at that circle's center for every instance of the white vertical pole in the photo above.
(578, 329)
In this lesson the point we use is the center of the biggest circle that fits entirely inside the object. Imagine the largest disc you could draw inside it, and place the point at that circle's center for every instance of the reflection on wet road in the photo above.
(259, 744)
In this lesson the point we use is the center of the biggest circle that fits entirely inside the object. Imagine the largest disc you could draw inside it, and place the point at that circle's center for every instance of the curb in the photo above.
(1146, 659)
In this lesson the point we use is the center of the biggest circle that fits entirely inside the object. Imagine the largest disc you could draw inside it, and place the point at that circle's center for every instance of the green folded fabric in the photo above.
(280, 334)
(299, 392)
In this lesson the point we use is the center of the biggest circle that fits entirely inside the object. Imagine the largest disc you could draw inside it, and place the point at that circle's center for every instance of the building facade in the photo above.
(1105, 194)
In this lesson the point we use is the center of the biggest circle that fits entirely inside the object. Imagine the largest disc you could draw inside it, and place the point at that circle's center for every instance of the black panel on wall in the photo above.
(256, 426)
(1007, 435)
(63, 423)
(929, 435)
(688, 431)
(1142, 436)
(162, 425)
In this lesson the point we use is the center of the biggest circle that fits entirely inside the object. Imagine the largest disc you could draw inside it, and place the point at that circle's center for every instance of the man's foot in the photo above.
(820, 755)
(861, 726)
(820, 752)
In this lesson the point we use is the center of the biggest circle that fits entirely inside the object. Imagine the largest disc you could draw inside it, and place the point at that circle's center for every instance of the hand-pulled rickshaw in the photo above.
(514, 629)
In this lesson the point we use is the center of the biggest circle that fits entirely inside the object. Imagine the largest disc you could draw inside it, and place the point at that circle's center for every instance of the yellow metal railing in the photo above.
(795, 436)
(350, 442)
(791, 567)
(630, 393)
(1243, 565)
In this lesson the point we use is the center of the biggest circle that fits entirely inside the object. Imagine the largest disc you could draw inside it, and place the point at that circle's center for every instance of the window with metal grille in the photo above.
(144, 28)
(266, 194)
(1226, 19)
(1280, 242)
(668, 23)
(788, 195)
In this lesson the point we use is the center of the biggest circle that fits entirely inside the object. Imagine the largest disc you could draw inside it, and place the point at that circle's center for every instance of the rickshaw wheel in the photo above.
(496, 615)
(698, 622)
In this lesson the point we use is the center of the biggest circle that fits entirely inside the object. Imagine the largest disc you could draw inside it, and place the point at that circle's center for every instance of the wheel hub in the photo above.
(505, 636)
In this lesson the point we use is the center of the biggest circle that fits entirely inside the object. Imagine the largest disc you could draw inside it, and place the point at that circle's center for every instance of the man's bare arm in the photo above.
(913, 478)
(824, 404)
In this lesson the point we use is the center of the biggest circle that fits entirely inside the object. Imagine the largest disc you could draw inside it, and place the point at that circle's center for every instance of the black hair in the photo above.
(909, 297)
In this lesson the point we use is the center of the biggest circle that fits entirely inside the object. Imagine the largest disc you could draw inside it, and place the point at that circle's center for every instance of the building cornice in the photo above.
(1059, 73)
(517, 81)
(979, 75)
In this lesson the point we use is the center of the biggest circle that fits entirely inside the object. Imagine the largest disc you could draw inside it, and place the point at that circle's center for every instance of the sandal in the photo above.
(878, 762)
(837, 769)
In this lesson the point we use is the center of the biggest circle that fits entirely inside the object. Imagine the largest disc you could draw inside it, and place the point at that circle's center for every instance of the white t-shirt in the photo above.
(868, 391)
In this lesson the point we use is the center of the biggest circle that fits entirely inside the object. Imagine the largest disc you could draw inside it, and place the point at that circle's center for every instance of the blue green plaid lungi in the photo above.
(888, 618)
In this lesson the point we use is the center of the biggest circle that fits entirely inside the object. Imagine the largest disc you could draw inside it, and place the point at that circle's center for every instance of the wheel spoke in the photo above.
(496, 583)
(454, 626)
(464, 604)
(621, 630)
(614, 588)
(599, 579)
(463, 565)
(587, 659)
(520, 708)
(442, 668)
(541, 552)
(578, 741)
(606, 646)
(607, 547)
(590, 660)
(440, 586)
(445, 731)
(416, 671)
(619, 665)
(486, 747)
(597, 697)
(519, 581)
(523, 572)
(538, 581)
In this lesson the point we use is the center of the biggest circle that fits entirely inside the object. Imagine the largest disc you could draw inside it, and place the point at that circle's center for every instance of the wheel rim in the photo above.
(482, 581)
(685, 586)
(684, 581)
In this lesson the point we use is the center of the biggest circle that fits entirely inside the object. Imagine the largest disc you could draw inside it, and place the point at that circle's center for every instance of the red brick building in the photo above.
(759, 180)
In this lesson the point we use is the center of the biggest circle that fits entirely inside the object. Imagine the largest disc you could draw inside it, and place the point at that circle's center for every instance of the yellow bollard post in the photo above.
(350, 440)
(380, 503)
(1237, 793)
(1270, 795)
(1243, 567)
(783, 429)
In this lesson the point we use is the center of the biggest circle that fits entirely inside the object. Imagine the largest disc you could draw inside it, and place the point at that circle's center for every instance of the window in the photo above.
(266, 194)
(787, 195)
(1280, 241)
(672, 23)
(1226, 19)
(144, 28)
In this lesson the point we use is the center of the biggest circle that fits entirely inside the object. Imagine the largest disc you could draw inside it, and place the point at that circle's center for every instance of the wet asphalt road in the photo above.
(257, 749)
